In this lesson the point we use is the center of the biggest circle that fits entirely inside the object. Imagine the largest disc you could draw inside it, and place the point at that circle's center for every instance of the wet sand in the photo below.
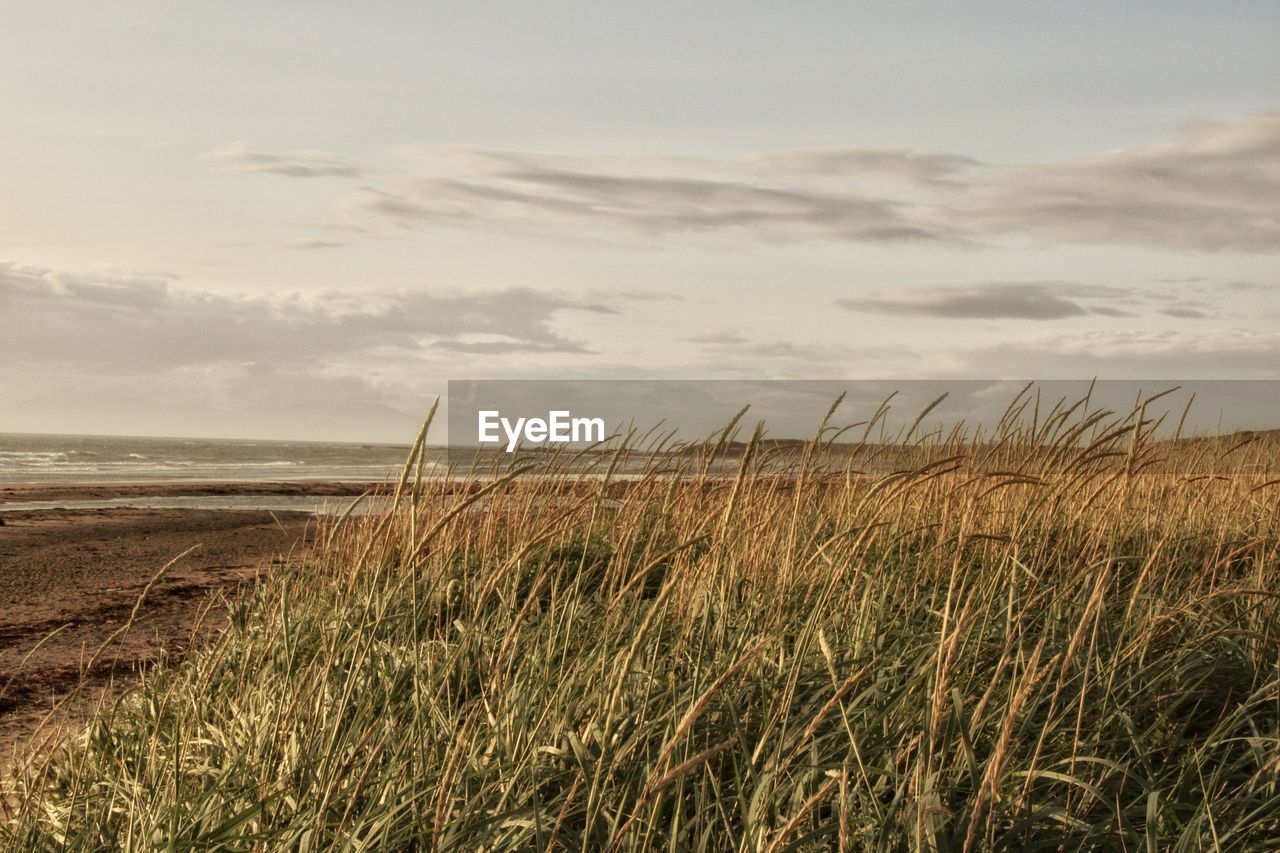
(96, 491)
(82, 571)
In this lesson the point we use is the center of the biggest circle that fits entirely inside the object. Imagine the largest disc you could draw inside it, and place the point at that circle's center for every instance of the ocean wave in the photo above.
(31, 456)
(104, 459)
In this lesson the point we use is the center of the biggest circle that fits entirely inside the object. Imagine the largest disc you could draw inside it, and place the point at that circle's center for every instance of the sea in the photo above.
(27, 459)
(115, 459)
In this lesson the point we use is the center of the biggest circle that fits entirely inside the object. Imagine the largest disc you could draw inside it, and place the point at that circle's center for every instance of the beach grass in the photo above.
(1063, 635)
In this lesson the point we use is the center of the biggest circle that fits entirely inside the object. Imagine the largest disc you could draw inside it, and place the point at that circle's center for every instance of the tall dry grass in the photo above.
(1065, 635)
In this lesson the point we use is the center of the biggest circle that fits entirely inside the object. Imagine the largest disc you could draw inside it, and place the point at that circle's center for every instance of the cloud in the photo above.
(145, 354)
(1163, 354)
(505, 346)
(314, 243)
(1039, 300)
(259, 400)
(913, 166)
(239, 157)
(102, 323)
(730, 353)
(371, 205)
(637, 295)
(1212, 189)
(645, 205)
(718, 338)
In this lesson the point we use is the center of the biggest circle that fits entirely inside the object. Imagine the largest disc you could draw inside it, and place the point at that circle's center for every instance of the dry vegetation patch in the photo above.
(1064, 635)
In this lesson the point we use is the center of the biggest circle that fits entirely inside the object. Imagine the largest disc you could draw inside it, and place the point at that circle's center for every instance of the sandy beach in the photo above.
(81, 571)
(103, 491)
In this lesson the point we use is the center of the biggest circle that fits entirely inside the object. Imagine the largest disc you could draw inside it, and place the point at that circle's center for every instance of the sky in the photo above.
(299, 220)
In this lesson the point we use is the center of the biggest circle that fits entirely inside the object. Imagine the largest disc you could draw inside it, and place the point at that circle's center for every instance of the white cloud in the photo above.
(1034, 300)
(1159, 354)
(111, 323)
(239, 157)
(314, 243)
(111, 352)
(1214, 189)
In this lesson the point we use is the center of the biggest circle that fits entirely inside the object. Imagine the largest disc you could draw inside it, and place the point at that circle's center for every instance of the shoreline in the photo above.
(53, 491)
